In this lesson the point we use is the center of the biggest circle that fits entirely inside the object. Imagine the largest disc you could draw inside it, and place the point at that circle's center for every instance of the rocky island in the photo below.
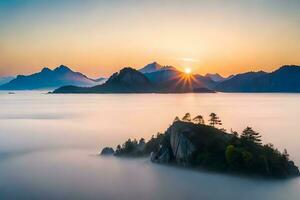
(192, 143)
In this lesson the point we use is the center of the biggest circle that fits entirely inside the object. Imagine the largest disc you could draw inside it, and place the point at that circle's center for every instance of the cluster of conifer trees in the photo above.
(228, 152)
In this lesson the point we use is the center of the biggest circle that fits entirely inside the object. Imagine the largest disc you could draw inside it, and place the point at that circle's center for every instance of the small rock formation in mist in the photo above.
(107, 151)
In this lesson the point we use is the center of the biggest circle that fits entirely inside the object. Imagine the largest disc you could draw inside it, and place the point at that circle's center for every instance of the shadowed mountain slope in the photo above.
(284, 79)
(129, 80)
(47, 79)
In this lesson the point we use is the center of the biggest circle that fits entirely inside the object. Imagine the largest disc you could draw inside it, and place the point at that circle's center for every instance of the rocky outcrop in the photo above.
(164, 155)
(181, 147)
(107, 151)
(202, 146)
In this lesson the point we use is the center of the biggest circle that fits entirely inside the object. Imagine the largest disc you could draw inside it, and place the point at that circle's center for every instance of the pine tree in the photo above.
(214, 120)
(176, 119)
(250, 135)
(198, 119)
(187, 117)
(286, 155)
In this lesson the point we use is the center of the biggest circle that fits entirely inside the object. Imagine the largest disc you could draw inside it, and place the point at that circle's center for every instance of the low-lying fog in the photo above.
(49, 145)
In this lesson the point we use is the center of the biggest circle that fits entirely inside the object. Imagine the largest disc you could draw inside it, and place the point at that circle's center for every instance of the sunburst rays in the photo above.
(186, 81)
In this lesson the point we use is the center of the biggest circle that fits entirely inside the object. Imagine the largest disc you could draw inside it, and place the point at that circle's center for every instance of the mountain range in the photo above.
(128, 80)
(217, 77)
(284, 79)
(153, 78)
(6, 79)
(158, 79)
(50, 79)
(155, 67)
(168, 79)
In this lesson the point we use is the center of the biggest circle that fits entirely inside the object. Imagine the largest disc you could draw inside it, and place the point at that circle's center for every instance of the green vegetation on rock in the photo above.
(204, 146)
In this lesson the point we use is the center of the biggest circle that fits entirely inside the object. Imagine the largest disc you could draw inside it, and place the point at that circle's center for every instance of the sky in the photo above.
(100, 37)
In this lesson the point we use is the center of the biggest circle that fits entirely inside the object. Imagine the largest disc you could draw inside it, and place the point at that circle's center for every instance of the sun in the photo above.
(187, 70)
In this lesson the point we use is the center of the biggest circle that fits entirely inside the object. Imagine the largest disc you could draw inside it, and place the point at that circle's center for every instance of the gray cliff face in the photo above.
(162, 156)
(181, 147)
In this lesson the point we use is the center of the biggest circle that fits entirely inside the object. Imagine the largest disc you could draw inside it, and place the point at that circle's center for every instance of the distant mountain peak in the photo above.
(6, 79)
(288, 67)
(48, 78)
(284, 79)
(127, 70)
(213, 74)
(128, 76)
(168, 67)
(152, 67)
(62, 68)
(46, 69)
(215, 77)
(155, 63)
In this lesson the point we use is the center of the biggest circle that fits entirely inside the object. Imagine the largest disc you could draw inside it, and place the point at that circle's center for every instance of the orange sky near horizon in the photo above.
(98, 38)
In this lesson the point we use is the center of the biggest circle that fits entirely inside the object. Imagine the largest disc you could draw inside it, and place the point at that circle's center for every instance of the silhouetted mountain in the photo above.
(129, 80)
(183, 84)
(170, 79)
(164, 75)
(285, 79)
(239, 82)
(174, 81)
(205, 81)
(174, 77)
(154, 67)
(217, 77)
(100, 80)
(47, 78)
(5, 79)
